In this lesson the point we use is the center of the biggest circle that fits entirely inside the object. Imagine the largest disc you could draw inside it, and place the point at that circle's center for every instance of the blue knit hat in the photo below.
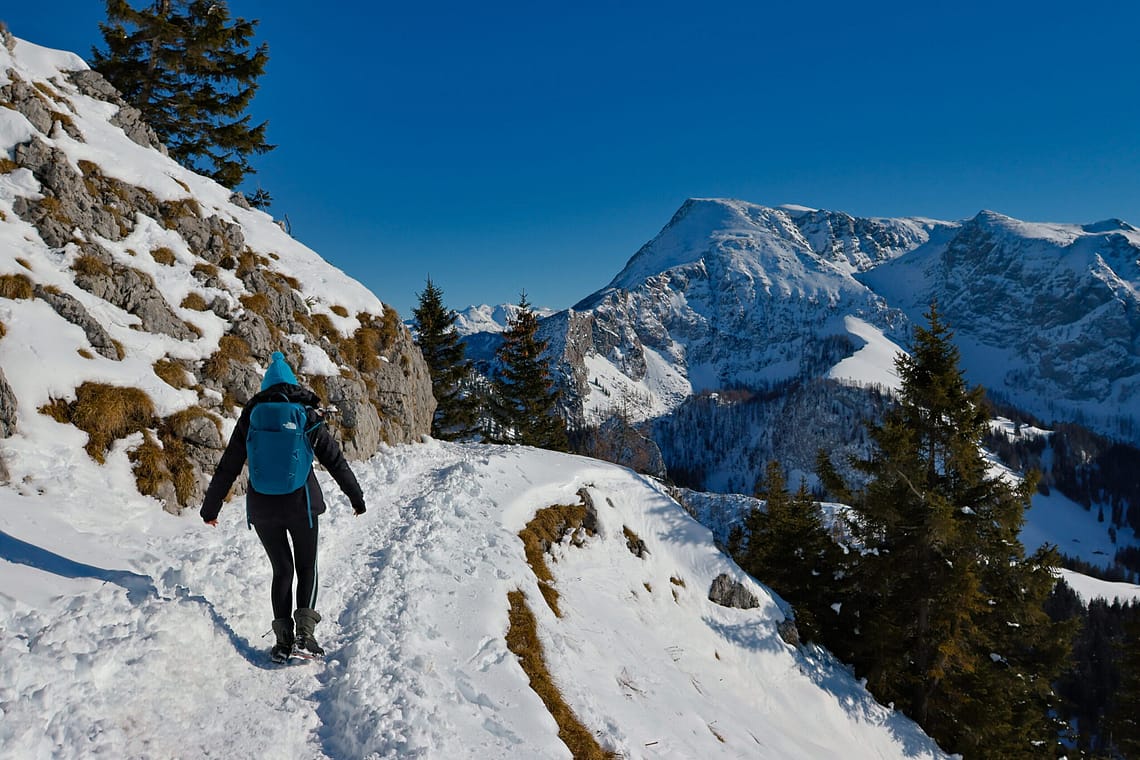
(278, 372)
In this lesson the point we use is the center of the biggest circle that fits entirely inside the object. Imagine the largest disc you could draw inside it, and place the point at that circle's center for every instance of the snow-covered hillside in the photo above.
(124, 275)
(127, 632)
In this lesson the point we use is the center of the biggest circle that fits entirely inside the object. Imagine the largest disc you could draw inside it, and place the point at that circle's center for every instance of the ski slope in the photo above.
(127, 632)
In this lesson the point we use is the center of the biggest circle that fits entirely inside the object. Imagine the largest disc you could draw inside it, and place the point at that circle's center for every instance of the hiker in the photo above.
(279, 430)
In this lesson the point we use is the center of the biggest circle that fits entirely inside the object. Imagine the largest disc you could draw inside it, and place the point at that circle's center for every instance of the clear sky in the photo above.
(502, 146)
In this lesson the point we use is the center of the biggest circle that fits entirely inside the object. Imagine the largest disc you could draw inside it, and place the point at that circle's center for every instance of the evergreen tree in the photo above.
(190, 69)
(443, 351)
(1123, 724)
(789, 550)
(527, 410)
(950, 611)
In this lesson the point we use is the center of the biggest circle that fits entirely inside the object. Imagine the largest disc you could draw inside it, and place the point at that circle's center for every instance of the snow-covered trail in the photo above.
(169, 658)
(145, 636)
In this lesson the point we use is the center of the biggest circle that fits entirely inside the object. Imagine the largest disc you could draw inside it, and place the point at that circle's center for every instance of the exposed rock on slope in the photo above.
(157, 279)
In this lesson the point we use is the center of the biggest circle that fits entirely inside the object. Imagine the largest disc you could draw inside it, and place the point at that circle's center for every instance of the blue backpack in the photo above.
(277, 446)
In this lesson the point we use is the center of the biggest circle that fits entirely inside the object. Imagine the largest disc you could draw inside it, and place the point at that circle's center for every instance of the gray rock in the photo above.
(788, 631)
(135, 293)
(69, 307)
(7, 408)
(199, 430)
(357, 421)
(26, 100)
(731, 593)
(251, 328)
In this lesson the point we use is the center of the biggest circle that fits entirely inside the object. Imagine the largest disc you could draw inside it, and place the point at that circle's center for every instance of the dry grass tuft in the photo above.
(85, 353)
(676, 581)
(256, 302)
(16, 287)
(548, 527)
(24, 263)
(7, 165)
(171, 211)
(205, 269)
(3, 330)
(522, 640)
(339, 310)
(634, 543)
(196, 301)
(105, 412)
(373, 339)
(167, 457)
(163, 255)
(91, 265)
(230, 348)
(172, 373)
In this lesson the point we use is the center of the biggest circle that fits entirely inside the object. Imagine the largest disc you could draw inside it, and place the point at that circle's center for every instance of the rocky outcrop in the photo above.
(378, 379)
(7, 418)
(730, 593)
(69, 307)
(7, 408)
(132, 291)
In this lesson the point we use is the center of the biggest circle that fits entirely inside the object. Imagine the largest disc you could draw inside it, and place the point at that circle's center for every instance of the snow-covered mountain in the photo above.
(1047, 316)
(732, 294)
(490, 319)
(126, 284)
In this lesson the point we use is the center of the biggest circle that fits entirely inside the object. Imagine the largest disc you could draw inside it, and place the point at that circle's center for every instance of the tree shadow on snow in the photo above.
(19, 552)
(835, 678)
(139, 587)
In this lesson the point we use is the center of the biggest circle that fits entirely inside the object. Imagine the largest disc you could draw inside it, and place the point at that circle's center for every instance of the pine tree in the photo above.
(789, 549)
(951, 621)
(1123, 724)
(190, 69)
(528, 401)
(444, 353)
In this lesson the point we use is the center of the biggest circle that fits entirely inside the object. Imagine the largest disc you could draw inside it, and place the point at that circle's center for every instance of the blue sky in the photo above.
(537, 145)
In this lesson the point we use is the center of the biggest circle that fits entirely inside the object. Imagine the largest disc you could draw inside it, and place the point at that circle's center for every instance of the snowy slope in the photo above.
(127, 632)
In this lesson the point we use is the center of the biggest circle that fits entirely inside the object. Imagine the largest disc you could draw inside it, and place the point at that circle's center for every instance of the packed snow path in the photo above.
(167, 657)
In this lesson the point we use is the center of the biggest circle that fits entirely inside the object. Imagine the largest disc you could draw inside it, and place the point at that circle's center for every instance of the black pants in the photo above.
(302, 557)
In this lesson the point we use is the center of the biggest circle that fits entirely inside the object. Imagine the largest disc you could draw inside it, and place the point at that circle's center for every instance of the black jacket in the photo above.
(267, 509)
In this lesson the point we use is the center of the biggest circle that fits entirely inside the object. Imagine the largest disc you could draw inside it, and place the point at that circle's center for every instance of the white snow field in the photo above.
(126, 632)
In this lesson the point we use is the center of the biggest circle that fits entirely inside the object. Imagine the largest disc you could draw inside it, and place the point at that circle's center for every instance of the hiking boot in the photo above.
(283, 630)
(305, 644)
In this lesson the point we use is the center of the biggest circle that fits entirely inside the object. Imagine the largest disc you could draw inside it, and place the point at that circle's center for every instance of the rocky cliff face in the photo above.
(1047, 316)
(162, 282)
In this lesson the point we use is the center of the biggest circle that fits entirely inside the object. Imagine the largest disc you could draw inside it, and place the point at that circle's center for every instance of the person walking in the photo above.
(278, 432)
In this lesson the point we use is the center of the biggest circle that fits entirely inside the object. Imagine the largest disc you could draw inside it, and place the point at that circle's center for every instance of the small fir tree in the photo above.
(444, 353)
(789, 549)
(192, 71)
(527, 400)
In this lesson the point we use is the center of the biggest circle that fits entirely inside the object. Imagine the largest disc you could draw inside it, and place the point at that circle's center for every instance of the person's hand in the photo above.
(212, 522)
(359, 509)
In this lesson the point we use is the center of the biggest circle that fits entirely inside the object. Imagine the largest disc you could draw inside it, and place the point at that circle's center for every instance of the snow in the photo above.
(108, 613)
(873, 363)
(1093, 588)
